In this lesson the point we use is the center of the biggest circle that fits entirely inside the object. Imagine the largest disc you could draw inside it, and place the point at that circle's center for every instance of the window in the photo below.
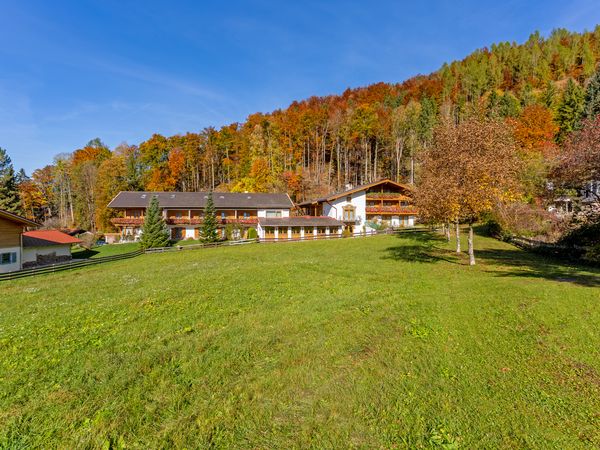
(273, 214)
(349, 198)
(349, 213)
(8, 258)
(178, 215)
(245, 215)
(223, 215)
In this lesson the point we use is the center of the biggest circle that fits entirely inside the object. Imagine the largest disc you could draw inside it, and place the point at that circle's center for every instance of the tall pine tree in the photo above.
(209, 224)
(548, 96)
(154, 231)
(569, 111)
(9, 192)
(592, 97)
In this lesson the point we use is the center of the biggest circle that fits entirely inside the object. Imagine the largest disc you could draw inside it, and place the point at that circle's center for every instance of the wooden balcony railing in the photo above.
(391, 210)
(138, 221)
(127, 220)
(183, 221)
(386, 196)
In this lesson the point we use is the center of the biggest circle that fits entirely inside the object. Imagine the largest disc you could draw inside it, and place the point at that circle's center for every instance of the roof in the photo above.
(18, 219)
(299, 221)
(45, 238)
(362, 187)
(190, 200)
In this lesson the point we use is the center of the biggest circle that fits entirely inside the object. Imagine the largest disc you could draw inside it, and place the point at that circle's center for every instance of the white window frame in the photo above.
(12, 258)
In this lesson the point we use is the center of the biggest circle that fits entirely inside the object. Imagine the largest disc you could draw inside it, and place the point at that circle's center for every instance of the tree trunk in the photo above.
(447, 229)
(457, 237)
(412, 169)
(471, 252)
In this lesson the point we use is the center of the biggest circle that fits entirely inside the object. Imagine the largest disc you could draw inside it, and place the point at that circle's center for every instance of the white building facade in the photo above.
(368, 207)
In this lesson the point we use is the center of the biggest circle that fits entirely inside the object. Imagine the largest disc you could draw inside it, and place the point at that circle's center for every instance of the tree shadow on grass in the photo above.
(423, 247)
(424, 250)
(520, 263)
(84, 254)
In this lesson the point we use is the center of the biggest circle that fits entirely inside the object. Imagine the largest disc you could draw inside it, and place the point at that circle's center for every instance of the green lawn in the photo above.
(117, 249)
(380, 342)
(105, 250)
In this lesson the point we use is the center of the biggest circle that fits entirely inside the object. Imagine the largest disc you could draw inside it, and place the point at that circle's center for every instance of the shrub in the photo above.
(252, 234)
(593, 254)
(346, 233)
(493, 229)
(584, 230)
(88, 240)
(522, 219)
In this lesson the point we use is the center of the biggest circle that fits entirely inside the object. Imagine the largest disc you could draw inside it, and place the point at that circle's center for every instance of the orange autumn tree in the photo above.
(475, 167)
(535, 129)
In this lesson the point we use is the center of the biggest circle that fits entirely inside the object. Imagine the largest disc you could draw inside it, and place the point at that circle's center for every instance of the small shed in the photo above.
(46, 247)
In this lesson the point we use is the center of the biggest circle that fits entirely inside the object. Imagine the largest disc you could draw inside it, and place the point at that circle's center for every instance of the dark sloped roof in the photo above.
(300, 221)
(191, 200)
(18, 219)
(45, 238)
(362, 187)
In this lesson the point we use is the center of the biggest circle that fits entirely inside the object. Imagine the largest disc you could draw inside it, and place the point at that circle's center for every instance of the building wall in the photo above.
(10, 233)
(16, 265)
(30, 254)
(263, 212)
(284, 232)
(335, 208)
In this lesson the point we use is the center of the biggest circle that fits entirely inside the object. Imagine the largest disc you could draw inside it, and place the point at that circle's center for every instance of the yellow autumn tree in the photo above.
(470, 168)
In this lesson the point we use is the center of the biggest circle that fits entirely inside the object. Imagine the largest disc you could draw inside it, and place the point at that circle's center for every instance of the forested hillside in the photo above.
(323, 143)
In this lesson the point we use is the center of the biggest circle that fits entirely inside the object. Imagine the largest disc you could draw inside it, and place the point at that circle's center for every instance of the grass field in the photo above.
(105, 250)
(381, 342)
(118, 249)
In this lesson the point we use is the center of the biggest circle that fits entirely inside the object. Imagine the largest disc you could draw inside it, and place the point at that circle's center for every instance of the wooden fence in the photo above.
(89, 262)
(66, 266)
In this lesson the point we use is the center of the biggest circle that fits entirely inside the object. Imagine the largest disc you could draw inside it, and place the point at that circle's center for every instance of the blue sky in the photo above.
(122, 70)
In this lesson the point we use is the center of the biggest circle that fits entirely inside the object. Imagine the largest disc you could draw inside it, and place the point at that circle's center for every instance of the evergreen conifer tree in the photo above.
(209, 224)
(493, 104)
(592, 97)
(9, 193)
(154, 231)
(548, 97)
(569, 111)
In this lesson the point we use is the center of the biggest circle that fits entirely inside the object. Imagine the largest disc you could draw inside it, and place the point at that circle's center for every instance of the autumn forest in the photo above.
(321, 144)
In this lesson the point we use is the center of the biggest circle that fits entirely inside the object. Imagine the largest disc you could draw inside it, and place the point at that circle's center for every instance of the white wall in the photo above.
(335, 208)
(30, 253)
(263, 212)
(10, 267)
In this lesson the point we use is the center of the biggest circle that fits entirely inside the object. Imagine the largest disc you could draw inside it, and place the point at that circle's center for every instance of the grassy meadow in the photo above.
(380, 342)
